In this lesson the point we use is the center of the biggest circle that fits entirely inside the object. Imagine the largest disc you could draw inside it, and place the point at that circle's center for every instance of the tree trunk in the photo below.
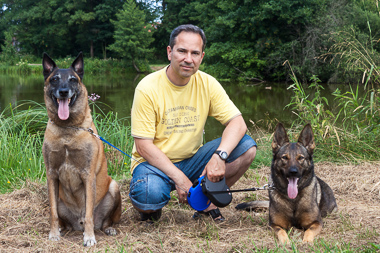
(134, 65)
(92, 49)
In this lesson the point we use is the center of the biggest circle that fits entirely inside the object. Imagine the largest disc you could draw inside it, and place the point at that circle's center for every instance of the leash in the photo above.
(91, 131)
(107, 142)
(264, 187)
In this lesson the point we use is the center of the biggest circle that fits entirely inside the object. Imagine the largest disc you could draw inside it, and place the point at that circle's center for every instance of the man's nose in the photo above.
(188, 57)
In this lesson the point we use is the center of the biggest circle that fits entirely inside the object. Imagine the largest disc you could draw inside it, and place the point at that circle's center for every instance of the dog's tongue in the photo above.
(292, 187)
(63, 109)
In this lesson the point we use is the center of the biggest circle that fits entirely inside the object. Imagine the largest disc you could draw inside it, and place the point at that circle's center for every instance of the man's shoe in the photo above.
(155, 216)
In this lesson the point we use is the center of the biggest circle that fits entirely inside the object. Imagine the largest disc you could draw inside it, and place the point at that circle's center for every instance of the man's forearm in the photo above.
(232, 134)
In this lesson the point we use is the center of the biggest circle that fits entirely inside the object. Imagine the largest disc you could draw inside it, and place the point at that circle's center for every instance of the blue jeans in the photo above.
(151, 190)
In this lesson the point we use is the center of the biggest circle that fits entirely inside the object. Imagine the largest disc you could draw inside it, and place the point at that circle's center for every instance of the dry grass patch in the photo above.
(24, 219)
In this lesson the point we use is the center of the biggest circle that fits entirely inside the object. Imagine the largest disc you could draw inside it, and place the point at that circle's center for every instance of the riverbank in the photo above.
(24, 214)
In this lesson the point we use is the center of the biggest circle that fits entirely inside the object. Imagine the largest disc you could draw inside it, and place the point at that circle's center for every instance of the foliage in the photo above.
(247, 40)
(60, 28)
(9, 53)
(356, 53)
(132, 35)
(357, 139)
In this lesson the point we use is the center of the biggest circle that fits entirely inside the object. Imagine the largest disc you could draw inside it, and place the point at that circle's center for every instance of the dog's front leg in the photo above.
(312, 231)
(281, 235)
(90, 184)
(53, 185)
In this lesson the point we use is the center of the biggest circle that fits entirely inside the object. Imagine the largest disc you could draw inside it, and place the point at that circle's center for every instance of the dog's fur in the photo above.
(81, 194)
(298, 197)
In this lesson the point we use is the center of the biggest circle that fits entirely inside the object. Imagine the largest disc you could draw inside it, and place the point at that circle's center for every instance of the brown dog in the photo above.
(81, 194)
(298, 198)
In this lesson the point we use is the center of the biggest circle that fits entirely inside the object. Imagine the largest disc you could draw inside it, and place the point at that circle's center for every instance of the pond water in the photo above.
(256, 102)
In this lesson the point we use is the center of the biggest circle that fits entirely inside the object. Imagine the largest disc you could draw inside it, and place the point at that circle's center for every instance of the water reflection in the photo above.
(265, 101)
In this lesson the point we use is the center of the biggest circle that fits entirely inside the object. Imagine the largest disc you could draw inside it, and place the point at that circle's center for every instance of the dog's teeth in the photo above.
(69, 100)
(58, 100)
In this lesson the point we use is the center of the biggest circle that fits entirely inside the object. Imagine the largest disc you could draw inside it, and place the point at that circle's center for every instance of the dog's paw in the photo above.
(89, 241)
(110, 231)
(54, 236)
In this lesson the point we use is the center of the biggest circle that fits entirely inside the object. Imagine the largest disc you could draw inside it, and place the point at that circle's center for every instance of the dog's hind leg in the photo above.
(108, 211)
(312, 232)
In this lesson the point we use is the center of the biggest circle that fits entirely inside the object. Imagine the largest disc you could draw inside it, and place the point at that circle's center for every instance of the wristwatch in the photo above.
(222, 154)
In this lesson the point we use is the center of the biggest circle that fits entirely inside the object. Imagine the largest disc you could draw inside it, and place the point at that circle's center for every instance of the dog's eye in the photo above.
(54, 79)
(301, 158)
(72, 79)
(284, 157)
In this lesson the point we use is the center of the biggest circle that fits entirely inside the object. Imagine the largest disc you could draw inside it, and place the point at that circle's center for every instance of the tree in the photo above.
(132, 35)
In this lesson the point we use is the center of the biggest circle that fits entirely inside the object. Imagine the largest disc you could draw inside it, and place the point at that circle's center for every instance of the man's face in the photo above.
(185, 57)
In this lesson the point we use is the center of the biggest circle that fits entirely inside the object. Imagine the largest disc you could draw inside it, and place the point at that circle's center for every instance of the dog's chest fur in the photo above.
(296, 212)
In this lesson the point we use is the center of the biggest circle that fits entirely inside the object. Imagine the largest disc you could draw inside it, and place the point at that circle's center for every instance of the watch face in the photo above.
(223, 155)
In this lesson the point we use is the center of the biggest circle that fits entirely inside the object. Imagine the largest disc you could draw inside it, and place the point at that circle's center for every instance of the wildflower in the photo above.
(149, 31)
(93, 97)
(9, 182)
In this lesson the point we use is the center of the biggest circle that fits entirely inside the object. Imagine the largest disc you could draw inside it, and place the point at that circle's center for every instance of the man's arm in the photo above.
(158, 159)
(232, 134)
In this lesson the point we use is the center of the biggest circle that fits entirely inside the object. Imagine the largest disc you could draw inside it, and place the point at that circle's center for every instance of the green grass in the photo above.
(93, 66)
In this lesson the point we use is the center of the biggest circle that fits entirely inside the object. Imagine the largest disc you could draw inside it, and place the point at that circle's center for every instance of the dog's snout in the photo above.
(64, 92)
(293, 171)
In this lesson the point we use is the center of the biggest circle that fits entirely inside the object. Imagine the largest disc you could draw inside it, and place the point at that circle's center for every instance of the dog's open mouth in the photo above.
(64, 106)
(292, 187)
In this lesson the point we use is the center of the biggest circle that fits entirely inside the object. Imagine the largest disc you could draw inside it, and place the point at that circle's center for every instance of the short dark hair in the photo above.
(187, 28)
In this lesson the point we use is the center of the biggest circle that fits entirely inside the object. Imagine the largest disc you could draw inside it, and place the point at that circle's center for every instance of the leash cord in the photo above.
(107, 142)
(265, 187)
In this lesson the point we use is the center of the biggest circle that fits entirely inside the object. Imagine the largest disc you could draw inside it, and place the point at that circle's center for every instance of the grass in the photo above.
(93, 66)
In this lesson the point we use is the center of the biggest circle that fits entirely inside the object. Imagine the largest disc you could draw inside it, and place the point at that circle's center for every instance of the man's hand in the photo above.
(215, 169)
(182, 186)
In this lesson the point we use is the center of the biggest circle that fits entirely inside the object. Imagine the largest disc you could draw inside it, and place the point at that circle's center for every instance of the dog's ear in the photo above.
(279, 138)
(78, 65)
(307, 138)
(48, 65)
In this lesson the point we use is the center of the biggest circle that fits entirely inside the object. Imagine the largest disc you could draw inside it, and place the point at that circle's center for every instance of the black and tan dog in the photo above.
(81, 194)
(298, 198)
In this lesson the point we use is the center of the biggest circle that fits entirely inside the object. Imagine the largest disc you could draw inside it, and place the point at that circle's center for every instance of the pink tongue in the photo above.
(292, 188)
(63, 109)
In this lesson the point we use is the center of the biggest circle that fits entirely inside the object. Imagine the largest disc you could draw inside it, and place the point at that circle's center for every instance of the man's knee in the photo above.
(250, 154)
(149, 192)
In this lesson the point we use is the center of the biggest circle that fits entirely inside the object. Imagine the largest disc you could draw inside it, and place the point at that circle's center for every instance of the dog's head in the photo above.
(292, 166)
(62, 86)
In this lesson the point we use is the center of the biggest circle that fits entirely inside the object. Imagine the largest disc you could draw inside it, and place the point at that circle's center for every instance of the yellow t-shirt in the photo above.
(174, 116)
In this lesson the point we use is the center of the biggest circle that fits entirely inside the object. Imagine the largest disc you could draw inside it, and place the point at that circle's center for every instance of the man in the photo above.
(169, 112)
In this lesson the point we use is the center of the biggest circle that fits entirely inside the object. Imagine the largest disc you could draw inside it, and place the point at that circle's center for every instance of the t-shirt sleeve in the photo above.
(143, 116)
(221, 106)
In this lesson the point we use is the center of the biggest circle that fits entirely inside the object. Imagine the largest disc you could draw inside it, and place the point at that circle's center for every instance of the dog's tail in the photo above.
(248, 206)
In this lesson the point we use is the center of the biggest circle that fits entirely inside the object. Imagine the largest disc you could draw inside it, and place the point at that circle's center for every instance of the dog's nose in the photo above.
(293, 171)
(64, 92)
